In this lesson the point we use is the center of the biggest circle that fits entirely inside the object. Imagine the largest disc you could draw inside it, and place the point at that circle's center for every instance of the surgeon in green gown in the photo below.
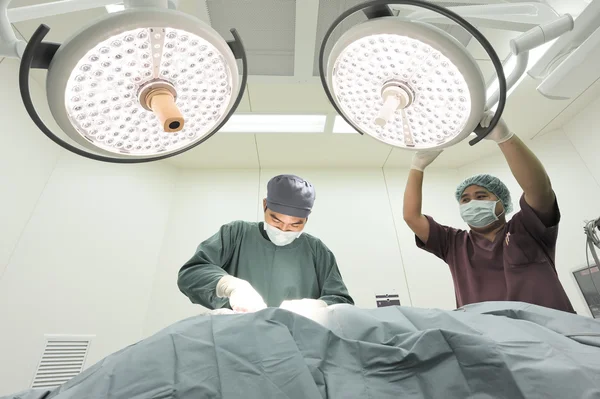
(248, 266)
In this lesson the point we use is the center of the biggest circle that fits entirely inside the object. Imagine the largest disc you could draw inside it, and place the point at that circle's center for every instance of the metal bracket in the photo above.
(236, 46)
(378, 11)
(44, 54)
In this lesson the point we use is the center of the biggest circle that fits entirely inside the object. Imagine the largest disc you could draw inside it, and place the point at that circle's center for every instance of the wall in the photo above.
(25, 168)
(79, 244)
(428, 277)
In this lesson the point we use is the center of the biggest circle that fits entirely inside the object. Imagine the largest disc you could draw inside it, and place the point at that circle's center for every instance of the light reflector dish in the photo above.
(442, 80)
(96, 77)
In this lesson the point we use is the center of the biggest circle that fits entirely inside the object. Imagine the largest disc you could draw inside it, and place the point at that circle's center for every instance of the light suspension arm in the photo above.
(512, 79)
(380, 6)
(38, 54)
(522, 45)
(10, 46)
(519, 17)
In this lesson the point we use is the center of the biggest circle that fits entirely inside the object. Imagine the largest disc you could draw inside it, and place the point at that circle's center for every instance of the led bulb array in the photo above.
(442, 100)
(102, 91)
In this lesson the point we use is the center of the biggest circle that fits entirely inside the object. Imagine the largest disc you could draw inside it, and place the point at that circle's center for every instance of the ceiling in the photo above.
(282, 38)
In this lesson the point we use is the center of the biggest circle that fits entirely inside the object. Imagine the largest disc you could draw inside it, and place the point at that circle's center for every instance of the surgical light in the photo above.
(410, 84)
(138, 85)
(406, 83)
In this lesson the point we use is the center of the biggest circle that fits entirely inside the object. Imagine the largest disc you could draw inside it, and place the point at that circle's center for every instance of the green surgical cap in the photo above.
(490, 183)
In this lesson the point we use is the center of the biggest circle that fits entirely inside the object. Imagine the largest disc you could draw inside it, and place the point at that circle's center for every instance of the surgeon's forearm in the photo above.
(199, 284)
(413, 195)
(336, 299)
(529, 173)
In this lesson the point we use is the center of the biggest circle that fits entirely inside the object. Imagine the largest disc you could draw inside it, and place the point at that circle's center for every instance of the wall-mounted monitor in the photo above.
(588, 280)
(387, 300)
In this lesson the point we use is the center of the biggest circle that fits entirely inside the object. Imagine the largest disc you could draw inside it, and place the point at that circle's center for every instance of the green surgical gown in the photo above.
(306, 268)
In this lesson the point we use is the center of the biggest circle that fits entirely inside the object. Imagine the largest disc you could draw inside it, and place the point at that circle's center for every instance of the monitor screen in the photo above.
(588, 280)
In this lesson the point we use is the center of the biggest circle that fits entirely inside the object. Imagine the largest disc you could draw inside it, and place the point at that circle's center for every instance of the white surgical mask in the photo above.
(279, 237)
(479, 214)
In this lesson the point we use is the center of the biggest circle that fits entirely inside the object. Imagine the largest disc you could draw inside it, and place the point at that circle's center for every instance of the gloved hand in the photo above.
(423, 159)
(242, 296)
(501, 132)
(304, 307)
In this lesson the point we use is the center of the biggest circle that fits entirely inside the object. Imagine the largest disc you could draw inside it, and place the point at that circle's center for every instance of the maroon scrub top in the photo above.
(517, 266)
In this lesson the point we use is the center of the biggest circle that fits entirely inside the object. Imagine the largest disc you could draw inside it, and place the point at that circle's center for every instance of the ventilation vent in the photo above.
(63, 358)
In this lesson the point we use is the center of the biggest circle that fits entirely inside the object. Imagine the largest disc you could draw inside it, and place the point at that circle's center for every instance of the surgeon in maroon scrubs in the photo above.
(496, 259)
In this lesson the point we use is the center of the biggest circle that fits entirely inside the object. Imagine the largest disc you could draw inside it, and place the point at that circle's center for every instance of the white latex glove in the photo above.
(304, 307)
(423, 159)
(243, 298)
(501, 132)
(217, 312)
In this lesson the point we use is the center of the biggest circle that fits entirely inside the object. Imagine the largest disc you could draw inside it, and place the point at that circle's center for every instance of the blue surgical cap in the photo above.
(490, 183)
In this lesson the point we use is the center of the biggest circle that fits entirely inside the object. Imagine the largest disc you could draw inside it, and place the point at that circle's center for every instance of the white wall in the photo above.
(428, 277)
(25, 165)
(79, 244)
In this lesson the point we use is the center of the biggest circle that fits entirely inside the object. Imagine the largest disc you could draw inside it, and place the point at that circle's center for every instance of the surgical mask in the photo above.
(279, 237)
(479, 213)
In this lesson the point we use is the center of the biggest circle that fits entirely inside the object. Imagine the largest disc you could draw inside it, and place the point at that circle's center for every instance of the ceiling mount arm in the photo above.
(10, 46)
(522, 45)
(518, 17)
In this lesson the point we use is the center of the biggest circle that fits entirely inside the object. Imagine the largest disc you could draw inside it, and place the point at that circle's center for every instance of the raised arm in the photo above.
(528, 171)
(413, 195)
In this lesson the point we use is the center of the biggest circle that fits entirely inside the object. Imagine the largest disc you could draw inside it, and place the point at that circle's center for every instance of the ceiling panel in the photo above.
(61, 26)
(288, 98)
(320, 150)
(573, 7)
(245, 103)
(329, 10)
(222, 151)
(267, 28)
